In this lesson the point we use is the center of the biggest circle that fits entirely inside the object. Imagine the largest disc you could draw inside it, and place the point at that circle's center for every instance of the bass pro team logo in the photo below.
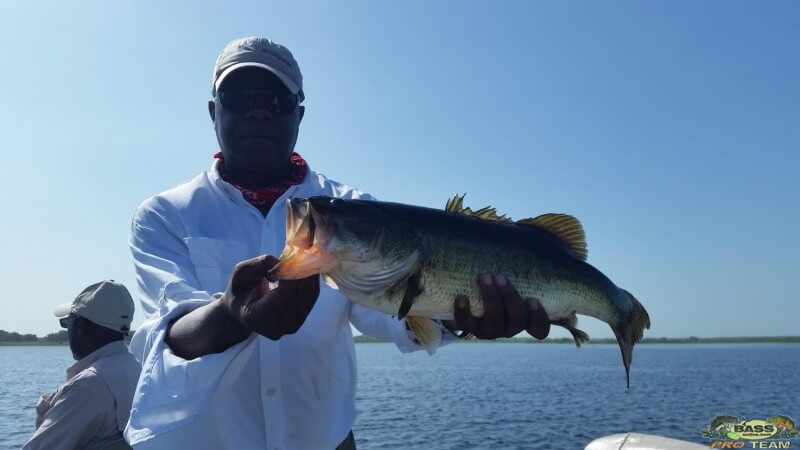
(733, 432)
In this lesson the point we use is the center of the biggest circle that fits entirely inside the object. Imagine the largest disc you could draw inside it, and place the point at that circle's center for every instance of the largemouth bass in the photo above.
(412, 262)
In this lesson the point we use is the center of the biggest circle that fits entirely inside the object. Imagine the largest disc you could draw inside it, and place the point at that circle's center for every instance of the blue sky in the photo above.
(670, 129)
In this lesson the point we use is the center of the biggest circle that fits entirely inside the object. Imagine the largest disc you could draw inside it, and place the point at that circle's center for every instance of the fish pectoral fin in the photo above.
(563, 226)
(427, 332)
(570, 324)
(413, 289)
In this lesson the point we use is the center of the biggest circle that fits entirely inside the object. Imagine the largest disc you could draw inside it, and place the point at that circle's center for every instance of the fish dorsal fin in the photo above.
(564, 227)
(456, 205)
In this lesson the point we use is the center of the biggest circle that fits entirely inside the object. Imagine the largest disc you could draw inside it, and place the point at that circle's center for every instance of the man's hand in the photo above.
(505, 313)
(42, 406)
(247, 306)
(269, 312)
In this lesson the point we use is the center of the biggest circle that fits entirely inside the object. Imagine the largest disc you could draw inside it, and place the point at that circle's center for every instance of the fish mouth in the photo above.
(308, 234)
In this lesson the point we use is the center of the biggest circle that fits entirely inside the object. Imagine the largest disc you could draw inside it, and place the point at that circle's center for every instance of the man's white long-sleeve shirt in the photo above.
(294, 393)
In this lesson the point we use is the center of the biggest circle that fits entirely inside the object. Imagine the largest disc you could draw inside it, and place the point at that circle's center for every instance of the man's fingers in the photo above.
(255, 268)
(283, 310)
(304, 296)
(308, 290)
(463, 316)
(514, 306)
(248, 280)
(494, 316)
(297, 294)
(297, 298)
(264, 263)
(263, 288)
(538, 322)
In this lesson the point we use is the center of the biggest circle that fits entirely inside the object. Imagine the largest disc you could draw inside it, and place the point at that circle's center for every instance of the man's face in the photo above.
(73, 332)
(256, 119)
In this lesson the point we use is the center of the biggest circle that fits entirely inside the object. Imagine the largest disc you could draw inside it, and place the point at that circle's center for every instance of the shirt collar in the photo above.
(102, 352)
(236, 195)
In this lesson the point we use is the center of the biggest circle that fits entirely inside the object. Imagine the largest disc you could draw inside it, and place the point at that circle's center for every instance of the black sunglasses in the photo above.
(245, 100)
(64, 321)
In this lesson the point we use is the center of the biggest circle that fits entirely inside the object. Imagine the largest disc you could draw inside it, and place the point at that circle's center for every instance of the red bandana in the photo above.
(268, 195)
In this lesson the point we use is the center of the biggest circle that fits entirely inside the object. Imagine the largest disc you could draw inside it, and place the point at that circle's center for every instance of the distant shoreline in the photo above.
(689, 340)
(33, 344)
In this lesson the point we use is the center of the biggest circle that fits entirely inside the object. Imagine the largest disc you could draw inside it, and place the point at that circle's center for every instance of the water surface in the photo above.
(508, 396)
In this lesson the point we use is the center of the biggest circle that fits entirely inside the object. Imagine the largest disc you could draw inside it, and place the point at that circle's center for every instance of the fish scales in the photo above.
(451, 264)
(456, 249)
(413, 262)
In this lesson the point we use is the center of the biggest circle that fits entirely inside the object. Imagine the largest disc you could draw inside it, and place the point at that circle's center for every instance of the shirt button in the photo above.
(270, 393)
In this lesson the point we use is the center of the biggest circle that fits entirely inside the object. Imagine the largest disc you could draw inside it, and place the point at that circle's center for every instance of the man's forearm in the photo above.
(208, 329)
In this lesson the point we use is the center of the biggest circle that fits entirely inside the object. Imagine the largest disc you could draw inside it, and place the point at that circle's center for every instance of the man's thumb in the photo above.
(256, 267)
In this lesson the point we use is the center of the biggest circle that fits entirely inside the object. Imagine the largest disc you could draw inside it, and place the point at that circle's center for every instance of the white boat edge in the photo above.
(639, 441)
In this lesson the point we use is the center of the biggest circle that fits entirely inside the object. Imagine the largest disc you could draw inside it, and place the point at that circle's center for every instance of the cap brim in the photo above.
(63, 310)
(293, 88)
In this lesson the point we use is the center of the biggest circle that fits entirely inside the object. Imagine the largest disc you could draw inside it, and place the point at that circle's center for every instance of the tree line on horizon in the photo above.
(59, 337)
(13, 336)
(648, 340)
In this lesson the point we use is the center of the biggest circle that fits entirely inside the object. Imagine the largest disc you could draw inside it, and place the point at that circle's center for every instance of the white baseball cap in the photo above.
(261, 52)
(106, 303)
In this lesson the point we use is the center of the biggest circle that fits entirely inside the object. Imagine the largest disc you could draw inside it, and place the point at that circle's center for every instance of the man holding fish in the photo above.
(229, 359)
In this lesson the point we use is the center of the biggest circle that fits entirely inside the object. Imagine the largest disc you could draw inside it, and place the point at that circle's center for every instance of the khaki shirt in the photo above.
(91, 409)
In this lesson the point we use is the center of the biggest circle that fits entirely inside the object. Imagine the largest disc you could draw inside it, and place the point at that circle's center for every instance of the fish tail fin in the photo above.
(630, 331)
(571, 323)
(427, 332)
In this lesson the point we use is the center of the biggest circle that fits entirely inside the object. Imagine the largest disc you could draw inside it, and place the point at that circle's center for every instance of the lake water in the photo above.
(508, 395)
